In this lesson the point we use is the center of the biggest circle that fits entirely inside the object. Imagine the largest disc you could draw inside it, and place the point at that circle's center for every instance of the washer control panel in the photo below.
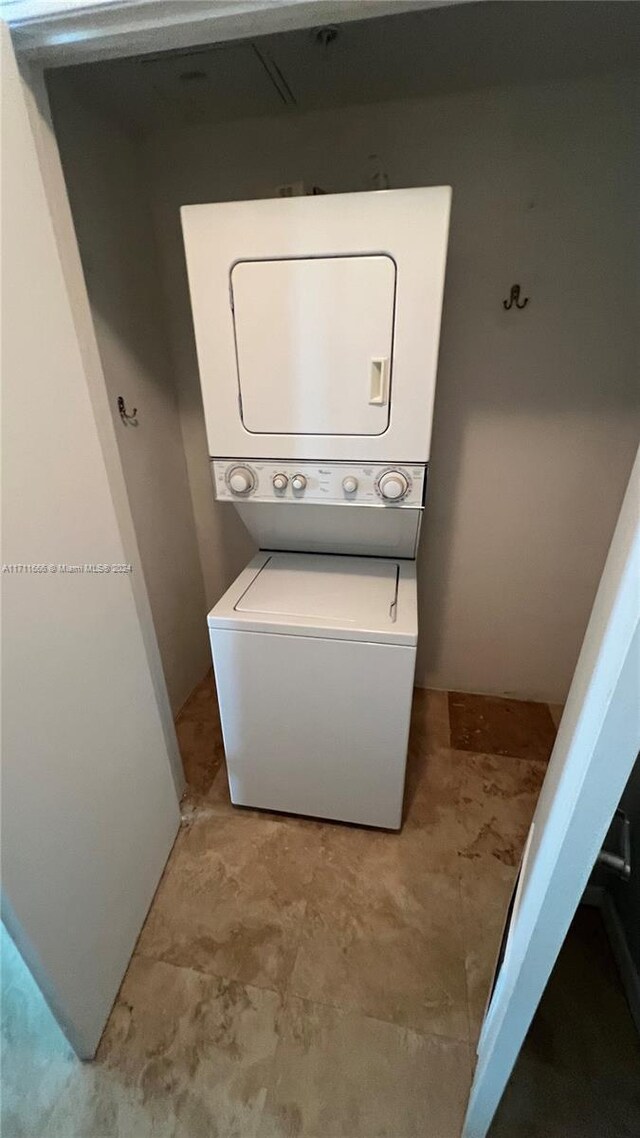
(373, 484)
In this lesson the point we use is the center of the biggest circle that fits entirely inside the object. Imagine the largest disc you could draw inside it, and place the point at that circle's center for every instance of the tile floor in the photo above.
(300, 979)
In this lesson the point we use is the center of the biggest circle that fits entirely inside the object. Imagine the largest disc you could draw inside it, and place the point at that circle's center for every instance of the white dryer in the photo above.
(317, 323)
(314, 659)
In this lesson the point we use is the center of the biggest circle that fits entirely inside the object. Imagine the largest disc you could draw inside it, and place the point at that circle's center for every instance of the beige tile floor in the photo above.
(296, 978)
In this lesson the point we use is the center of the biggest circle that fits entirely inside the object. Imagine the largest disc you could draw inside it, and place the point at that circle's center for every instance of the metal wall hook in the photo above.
(130, 420)
(514, 298)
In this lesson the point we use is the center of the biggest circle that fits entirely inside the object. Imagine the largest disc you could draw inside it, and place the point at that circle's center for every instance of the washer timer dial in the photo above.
(393, 485)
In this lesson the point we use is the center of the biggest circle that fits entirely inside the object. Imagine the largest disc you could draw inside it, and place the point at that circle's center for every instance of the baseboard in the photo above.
(426, 684)
(599, 897)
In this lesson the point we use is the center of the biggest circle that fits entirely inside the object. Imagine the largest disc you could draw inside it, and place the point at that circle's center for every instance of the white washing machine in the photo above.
(314, 659)
(317, 324)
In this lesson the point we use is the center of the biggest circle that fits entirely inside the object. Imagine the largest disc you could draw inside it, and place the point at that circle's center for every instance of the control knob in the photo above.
(393, 485)
(298, 482)
(349, 484)
(241, 480)
(280, 482)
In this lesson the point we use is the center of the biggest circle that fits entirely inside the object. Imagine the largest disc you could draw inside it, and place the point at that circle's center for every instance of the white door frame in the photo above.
(58, 32)
(595, 750)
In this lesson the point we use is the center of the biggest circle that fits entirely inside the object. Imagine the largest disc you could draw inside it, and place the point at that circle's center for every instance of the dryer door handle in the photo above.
(379, 383)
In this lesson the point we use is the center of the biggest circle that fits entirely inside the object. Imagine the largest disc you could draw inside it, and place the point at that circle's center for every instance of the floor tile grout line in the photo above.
(470, 1021)
(153, 959)
(286, 994)
(479, 752)
(512, 759)
(466, 1044)
(346, 1009)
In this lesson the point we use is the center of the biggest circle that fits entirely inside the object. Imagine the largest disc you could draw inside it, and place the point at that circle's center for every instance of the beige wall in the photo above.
(536, 411)
(108, 194)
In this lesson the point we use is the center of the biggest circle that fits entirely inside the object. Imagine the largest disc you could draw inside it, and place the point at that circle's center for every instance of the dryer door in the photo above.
(317, 322)
(314, 344)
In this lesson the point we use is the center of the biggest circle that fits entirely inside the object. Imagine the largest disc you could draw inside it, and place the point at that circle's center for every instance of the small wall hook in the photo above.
(514, 298)
(130, 420)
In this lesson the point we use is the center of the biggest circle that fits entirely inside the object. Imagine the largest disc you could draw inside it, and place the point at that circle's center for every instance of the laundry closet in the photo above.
(475, 507)
(533, 426)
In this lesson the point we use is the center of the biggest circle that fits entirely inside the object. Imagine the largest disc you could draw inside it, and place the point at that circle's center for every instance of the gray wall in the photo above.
(108, 194)
(536, 412)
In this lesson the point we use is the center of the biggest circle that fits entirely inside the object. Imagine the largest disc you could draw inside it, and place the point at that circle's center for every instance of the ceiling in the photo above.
(57, 33)
(424, 52)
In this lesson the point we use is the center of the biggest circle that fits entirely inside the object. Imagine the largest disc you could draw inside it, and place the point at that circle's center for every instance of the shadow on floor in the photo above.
(578, 1075)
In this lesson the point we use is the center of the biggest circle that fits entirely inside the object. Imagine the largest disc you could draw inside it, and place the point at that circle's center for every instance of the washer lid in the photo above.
(348, 598)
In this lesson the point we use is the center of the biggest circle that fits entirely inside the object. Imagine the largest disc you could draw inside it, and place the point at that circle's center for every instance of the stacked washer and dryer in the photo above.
(317, 322)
